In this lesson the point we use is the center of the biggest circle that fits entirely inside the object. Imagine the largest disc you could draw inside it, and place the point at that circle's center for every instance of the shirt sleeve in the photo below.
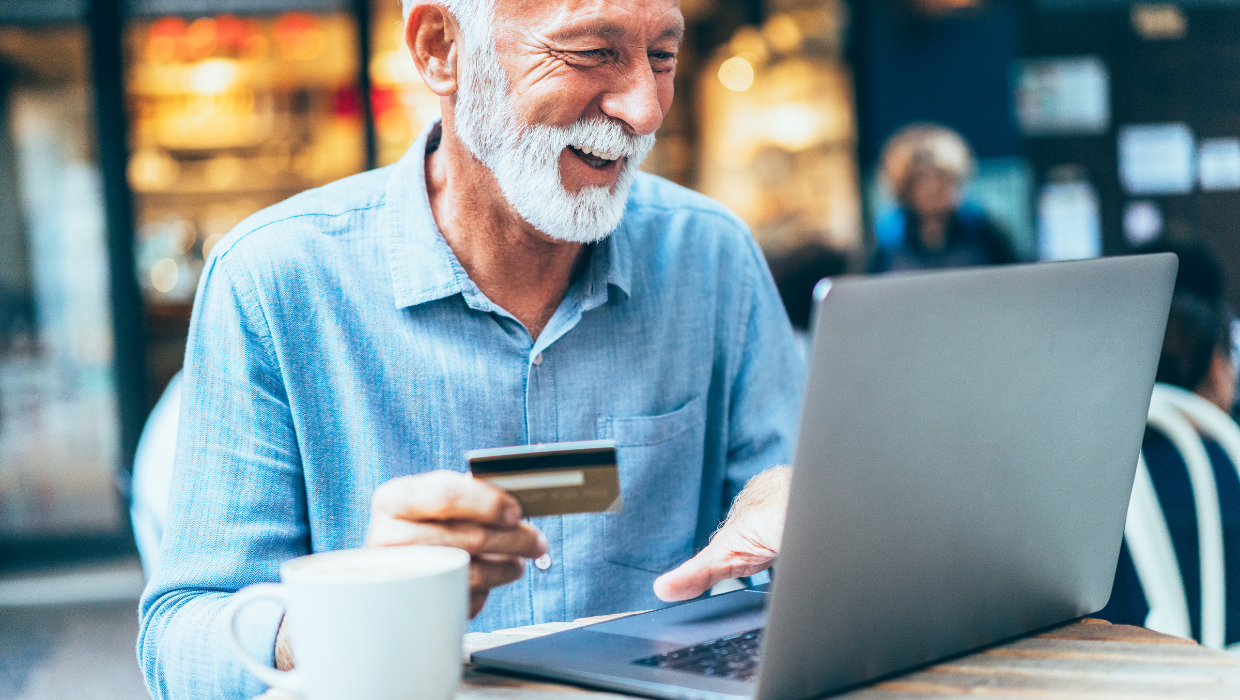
(238, 505)
(766, 392)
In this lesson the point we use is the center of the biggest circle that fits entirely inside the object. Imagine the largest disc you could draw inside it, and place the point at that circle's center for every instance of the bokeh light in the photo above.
(213, 76)
(736, 74)
(164, 275)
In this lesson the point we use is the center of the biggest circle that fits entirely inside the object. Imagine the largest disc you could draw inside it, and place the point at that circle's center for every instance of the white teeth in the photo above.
(598, 154)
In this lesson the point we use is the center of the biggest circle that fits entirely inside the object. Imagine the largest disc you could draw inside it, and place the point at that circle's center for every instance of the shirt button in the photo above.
(538, 361)
(544, 562)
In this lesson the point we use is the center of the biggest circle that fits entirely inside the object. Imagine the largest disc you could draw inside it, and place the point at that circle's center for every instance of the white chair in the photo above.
(1208, 418)
(152, 474)
(1179, 415)
(1153, 557)
(1212, 422)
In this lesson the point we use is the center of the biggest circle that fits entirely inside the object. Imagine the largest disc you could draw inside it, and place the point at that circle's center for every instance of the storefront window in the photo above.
(777, 129)
(229, 115)
(58, 407)
(403, 104)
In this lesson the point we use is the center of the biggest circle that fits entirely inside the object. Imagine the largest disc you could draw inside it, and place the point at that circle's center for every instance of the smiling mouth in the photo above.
(595, 159)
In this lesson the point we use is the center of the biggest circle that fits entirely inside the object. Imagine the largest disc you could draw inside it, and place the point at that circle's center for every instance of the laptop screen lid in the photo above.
(966, 452)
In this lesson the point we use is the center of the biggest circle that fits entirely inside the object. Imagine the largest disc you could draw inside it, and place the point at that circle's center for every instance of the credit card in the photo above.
(554, 479)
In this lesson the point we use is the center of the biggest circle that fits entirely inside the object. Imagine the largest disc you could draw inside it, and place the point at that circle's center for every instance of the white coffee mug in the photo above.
(381, 624)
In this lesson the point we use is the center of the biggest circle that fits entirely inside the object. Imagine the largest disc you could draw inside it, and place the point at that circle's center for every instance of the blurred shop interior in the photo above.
(134, 135)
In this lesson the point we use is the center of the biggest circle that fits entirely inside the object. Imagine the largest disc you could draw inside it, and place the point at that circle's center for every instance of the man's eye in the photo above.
(663, 60)
(595, 54)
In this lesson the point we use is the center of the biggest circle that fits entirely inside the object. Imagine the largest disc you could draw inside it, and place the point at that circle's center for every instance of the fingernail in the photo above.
(512, 514)
(543, 544)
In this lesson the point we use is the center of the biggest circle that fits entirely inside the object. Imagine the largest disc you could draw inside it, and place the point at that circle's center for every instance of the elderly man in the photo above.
(512, 280)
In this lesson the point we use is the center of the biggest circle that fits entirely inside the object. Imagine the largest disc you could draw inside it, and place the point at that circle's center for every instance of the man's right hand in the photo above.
(456, 510)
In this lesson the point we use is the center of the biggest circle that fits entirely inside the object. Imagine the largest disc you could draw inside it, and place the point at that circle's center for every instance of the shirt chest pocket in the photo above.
(660, 461)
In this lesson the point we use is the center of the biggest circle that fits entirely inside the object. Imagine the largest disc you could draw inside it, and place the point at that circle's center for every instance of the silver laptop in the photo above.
(968, 443)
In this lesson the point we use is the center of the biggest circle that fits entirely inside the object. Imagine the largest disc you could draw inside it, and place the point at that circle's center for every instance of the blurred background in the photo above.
(134, 134)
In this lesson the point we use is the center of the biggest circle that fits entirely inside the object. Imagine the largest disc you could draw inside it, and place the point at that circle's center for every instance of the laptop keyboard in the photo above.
(734, 657)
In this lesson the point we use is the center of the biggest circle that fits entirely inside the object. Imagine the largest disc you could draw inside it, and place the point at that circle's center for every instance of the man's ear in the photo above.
(433, 38)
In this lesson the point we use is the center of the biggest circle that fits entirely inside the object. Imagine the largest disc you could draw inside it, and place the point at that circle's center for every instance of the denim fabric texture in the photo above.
(337, 343)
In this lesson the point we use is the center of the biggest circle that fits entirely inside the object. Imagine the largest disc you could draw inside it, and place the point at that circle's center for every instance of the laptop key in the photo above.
(734, 657)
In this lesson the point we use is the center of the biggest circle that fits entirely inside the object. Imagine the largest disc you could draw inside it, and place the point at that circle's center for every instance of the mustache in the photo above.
(601, 134)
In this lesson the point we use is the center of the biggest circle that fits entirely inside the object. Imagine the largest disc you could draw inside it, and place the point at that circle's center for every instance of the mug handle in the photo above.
(291, 681)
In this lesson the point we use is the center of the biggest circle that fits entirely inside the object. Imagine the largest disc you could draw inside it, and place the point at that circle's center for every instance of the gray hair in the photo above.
(476, 17)
(922, 147)
(481, 78)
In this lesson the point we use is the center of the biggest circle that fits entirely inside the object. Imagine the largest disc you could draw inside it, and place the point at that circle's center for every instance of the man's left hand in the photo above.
(746, 544)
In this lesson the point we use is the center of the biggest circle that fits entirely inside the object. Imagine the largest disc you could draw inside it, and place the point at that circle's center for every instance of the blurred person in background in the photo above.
(926, 167)
(1197, 349)
(1200, 276)
(1197, 356)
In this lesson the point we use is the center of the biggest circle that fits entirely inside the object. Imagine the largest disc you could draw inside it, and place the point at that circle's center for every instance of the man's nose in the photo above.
(634, 100)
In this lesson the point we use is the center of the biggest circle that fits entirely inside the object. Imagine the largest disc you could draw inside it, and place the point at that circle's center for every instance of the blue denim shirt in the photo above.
(337, 343)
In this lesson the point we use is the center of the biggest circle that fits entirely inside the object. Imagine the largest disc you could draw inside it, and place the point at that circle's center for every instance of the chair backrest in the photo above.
(1212, 422)
(1208, 418)
(1148, 536)
(152, 474)
(1153, 557)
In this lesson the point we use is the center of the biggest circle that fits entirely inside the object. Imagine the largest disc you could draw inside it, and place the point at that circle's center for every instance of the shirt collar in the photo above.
(618, 257)
(424, 268)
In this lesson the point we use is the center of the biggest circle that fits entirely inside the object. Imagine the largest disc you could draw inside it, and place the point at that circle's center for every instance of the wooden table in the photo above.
(1089, 660)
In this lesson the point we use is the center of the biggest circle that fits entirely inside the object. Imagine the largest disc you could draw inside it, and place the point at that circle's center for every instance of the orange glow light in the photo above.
(943, 7)
(299, 36)
(171, 27)
(201, 37)
(235, 37)
(166, 39)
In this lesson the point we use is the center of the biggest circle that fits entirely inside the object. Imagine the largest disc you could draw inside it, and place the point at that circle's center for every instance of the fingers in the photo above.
(455, 510)
(485, 574)
(691, 579)
(443, 496)
(476, 601)
(524, 540)
(746, 545)
(489, 572)
(725, 557)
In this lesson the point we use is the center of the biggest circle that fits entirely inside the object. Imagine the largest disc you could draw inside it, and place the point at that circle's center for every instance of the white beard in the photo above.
(525, 158)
